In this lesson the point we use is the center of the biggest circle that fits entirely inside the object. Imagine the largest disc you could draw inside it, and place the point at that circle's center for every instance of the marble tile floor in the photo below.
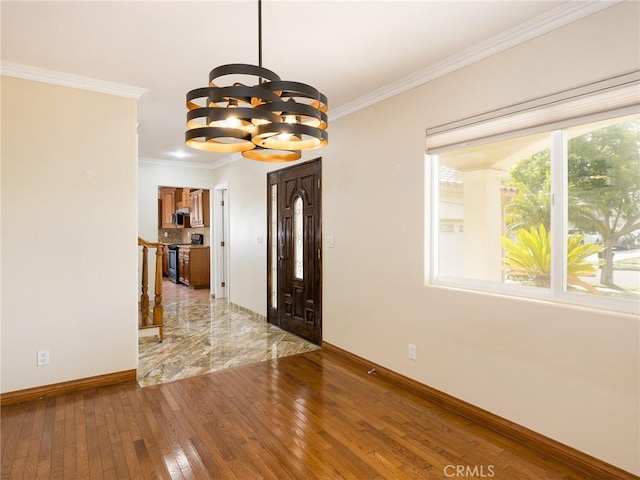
(202, 335)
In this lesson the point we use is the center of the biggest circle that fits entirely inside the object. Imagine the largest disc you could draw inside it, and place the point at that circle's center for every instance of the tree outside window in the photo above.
(495, 210)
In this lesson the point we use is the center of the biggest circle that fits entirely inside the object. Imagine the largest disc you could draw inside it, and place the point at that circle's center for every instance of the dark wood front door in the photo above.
(294, 257)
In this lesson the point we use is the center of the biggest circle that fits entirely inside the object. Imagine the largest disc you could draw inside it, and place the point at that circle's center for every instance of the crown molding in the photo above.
(552, 20)
(186, 164)
(27, 72)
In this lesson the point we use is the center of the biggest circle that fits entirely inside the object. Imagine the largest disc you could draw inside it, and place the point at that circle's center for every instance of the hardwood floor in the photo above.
(309, 416)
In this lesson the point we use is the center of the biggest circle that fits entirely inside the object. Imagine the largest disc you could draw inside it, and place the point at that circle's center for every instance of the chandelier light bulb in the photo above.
(284, 137)
(233, 122)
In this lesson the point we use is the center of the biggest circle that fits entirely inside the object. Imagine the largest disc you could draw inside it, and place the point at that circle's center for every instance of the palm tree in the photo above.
(528, 209)
(527, 258)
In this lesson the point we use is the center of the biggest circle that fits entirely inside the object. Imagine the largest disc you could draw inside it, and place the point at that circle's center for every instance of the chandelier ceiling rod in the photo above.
(260, 34)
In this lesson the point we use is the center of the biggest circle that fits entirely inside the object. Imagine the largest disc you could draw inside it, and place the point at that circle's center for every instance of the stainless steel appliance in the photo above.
(180, 218)
(173, 263)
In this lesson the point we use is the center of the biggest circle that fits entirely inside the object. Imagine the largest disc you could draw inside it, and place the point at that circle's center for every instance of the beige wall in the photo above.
(247, 188)
(567, 372)
(68, 233)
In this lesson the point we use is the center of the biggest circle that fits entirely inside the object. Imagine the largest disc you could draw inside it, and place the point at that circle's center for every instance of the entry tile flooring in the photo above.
(202, 335)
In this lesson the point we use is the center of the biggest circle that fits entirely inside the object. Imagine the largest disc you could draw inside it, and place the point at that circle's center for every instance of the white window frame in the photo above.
(495, 126)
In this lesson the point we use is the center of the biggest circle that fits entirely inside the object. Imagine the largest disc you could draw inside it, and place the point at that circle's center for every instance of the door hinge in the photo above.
(223, 284)
(318, 183)
(222, 203)
(222, 244)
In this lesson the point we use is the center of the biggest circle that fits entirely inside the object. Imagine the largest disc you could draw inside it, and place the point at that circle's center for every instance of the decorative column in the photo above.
(482, 224)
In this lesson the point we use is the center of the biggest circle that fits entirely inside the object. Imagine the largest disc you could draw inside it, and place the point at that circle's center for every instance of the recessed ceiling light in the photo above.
(179, 154)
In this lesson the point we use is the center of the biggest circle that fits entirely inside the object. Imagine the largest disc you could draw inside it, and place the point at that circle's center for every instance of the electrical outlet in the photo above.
(43, 357)
(330, 241)
(412, 351)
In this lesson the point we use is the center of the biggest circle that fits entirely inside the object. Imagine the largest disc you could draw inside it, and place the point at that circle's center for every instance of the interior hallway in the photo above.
(202, 335)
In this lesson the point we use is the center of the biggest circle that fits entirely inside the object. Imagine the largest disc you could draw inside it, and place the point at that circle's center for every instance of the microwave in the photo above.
(180, 218)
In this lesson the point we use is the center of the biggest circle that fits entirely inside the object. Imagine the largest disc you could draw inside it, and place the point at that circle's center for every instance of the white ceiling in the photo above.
(353, 51)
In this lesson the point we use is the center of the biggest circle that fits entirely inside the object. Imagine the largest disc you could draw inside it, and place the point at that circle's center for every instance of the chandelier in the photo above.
(249, 109)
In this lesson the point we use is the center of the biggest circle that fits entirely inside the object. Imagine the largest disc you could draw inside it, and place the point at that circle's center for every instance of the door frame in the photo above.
(273, 314)
(220, 225)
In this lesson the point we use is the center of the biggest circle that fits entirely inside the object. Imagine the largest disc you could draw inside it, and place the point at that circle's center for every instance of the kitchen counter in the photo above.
(183, 245)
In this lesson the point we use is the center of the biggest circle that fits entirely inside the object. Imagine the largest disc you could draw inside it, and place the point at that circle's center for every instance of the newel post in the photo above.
(157, 307)
(144, 298)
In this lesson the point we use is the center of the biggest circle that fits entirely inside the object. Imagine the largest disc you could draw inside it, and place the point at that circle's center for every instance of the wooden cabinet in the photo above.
(168, 201)
(184, 267)
(200, 208)
(183, 196)
(193, 266)
(172, 200)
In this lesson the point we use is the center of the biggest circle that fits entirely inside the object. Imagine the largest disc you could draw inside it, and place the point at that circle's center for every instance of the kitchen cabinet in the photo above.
(172, 201)
(200, 208)
(168, 200)
(193, 266)
(184, 267)
(183, 197)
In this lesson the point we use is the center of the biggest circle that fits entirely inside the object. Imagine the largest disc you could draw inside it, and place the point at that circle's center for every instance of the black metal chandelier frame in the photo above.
(267, 119)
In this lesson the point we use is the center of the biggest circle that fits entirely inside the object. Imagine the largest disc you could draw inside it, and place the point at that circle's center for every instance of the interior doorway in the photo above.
(294, 253)
(220, 245)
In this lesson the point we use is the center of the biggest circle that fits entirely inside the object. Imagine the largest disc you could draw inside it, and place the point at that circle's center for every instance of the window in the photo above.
(298, 241)
(273, 268)
(477, 192)
(548, 211)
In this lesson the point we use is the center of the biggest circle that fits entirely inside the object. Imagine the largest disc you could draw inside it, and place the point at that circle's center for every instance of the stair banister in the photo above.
(156, 319)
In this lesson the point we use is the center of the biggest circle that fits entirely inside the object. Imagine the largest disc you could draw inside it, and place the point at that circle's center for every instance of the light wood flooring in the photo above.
(308, 416)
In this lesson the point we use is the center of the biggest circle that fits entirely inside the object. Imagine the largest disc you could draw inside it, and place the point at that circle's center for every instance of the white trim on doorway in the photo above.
(220, 244)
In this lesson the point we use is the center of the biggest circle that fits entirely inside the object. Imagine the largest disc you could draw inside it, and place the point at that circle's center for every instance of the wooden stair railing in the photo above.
(145, 318)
